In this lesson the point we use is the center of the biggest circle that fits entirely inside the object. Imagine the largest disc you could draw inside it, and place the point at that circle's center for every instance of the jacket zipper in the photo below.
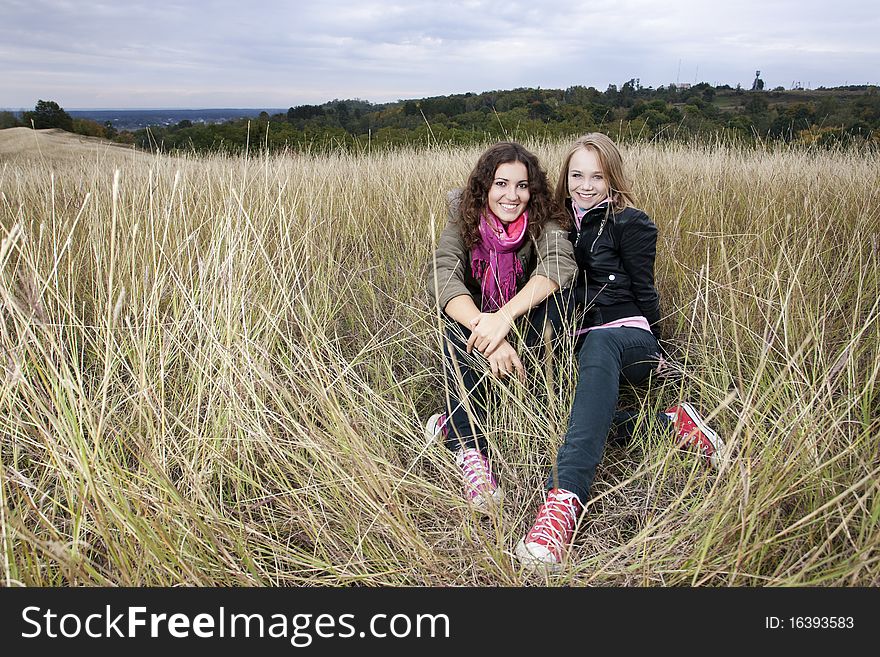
(598, 235)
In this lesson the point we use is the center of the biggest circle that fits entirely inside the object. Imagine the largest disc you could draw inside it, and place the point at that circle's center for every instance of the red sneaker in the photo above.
(693, 430)
(545, 545)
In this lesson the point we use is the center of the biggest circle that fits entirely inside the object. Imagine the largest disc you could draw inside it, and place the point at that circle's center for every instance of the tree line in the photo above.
(49, 114)
(826, 117)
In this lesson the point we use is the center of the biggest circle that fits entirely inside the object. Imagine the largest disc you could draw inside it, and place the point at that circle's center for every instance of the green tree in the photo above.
(8, 120)
(48, 114)
(88, 127)
(790, 120)
(756, 104)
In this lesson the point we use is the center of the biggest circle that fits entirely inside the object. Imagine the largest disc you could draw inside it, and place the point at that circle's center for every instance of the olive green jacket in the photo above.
(551, 255)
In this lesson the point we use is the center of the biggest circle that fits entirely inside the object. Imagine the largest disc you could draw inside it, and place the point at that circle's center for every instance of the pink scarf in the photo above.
(493, 259)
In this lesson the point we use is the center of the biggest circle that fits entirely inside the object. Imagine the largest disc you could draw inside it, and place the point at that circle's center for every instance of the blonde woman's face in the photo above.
(586, 180)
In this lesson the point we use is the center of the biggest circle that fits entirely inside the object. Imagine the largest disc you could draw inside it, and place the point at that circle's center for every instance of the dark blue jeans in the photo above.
(607, 357)
(465, 375)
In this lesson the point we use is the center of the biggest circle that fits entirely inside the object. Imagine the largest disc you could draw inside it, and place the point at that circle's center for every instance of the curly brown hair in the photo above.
(475, 196)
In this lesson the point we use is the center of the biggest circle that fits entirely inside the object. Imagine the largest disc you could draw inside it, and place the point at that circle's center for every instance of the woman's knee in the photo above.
(455, 335)
(637, 373)
(599, 360)
(599, 345)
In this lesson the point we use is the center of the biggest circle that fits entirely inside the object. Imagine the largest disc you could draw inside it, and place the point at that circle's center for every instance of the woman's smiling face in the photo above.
(509, 194)
(586, 180)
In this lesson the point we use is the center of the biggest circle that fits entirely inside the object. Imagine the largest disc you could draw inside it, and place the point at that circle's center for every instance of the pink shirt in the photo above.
(637, 321)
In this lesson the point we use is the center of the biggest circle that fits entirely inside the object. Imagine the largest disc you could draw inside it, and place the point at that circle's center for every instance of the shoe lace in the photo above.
(475, 467)
(556, 521)
(690, 433)
(440, 426)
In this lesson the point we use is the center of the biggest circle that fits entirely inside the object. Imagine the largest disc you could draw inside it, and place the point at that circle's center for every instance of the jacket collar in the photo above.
(601, 210)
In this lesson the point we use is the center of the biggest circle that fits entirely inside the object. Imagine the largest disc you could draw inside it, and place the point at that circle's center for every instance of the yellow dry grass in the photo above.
(214, 371)
(52, 145)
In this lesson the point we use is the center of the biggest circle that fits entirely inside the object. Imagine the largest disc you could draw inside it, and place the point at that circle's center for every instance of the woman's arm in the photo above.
(503, 360)
(446, 269)
(488, 330)
(556, 267)
(462, 309)
(638, 249)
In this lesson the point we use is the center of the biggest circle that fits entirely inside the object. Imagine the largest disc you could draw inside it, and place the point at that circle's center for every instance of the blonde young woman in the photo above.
(614, 245)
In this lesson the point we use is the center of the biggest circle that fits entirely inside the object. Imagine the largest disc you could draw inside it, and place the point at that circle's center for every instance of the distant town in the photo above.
(135, 119)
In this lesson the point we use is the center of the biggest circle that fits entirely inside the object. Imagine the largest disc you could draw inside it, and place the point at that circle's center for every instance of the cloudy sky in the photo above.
(274, 53)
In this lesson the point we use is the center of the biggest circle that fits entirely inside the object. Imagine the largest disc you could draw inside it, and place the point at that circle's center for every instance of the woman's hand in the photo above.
(488, 330)
(667, 368)
(504, 361)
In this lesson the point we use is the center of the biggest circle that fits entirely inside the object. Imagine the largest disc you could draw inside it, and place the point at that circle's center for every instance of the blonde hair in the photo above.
(612, 167)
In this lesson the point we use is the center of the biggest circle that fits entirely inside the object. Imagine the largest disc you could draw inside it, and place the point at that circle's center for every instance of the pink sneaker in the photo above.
(436, 428)
(545, 545)
(693, 430)
(480, 486)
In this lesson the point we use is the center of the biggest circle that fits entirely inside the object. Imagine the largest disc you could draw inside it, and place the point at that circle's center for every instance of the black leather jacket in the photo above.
(615, 254)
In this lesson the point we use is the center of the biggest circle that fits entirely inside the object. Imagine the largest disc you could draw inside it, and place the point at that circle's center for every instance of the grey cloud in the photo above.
(280, 53)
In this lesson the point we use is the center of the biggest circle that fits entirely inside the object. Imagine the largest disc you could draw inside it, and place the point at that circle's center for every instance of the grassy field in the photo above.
(215, 372)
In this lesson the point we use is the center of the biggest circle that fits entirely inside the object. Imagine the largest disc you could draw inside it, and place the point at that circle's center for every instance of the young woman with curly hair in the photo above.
(503, 252)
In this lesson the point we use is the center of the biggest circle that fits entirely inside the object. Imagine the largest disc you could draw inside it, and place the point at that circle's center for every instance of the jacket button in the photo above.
(610, 277)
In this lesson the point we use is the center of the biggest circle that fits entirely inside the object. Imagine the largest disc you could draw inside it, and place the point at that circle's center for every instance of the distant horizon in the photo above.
(142, 109)
(399, 100)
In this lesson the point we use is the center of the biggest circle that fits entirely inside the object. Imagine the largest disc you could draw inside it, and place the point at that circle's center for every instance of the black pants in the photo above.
(465, 375)
(606, 358)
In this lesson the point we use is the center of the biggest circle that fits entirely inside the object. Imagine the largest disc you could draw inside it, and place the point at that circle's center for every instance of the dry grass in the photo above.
(53, 146)
(215, 372)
